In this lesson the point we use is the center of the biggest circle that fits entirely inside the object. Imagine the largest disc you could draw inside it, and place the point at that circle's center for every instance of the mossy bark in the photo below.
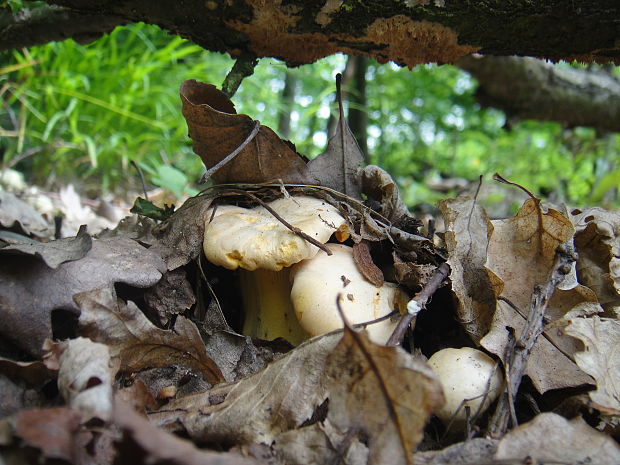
(408, 32)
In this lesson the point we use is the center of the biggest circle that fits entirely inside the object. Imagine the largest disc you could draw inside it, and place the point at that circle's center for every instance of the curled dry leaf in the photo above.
(597, 240)
(378, 185)
(600, 357)
(30, 291)
(550, 438)
(337, 167)
(217, 130)
(468, 230)
(336, 395)
(54, 253)
(15, 213)
(364, 263)
(85, 376)
(136, 342)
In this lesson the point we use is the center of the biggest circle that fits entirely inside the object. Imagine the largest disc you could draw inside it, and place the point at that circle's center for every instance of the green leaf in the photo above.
(145, 208)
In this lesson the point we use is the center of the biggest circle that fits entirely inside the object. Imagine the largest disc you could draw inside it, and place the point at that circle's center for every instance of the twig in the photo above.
(376, 320)
(518, 350)
(243, 67)
(294, 229)
(232, 154)
(139, 170)
(421, 298)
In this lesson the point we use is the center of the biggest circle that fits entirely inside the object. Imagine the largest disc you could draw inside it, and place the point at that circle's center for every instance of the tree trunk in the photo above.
(301, 31)
(533, 89)
(358, 114)
(287, 100)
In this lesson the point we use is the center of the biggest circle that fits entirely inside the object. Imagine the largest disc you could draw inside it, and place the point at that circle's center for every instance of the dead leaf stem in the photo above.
(518, 350)
(422, 298)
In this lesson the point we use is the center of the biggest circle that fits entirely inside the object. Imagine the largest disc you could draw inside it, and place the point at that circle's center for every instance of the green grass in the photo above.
(88, 111)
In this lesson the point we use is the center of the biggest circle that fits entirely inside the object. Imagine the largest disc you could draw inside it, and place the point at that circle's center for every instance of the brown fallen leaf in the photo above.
(600, 357)
(333, 396)
(217, 130)
(136, 342)
(337, 167)
(550, 438)
(381, 395)
(520, 254)
(30, 291)
(50, 430)
(363, 260)
(468, 230)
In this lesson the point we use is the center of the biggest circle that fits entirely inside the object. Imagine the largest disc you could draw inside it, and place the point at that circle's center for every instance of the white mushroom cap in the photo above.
(465, 373)
(254, 238)
(318, 281)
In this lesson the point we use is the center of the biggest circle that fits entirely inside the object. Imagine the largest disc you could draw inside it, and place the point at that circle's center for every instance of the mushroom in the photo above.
(469, 377)
(317, 283)
(258, 243)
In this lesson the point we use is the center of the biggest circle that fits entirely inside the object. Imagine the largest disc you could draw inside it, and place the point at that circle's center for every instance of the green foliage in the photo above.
(145, 208)
(87, 111)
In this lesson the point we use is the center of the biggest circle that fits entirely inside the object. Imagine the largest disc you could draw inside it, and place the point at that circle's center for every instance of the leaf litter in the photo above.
(136, 320)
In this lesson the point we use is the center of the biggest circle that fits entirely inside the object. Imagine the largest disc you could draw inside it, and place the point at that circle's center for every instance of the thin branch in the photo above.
(421, 299)
(294, 229)
(232, 154)
(518, 350)
(243, 67)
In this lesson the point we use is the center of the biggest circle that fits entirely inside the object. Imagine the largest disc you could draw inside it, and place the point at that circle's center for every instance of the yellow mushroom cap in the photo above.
(255, 239)
(318, 281)
(465, 373)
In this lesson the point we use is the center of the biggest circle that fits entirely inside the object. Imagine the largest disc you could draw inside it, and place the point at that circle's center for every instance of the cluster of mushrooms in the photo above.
(290, 288)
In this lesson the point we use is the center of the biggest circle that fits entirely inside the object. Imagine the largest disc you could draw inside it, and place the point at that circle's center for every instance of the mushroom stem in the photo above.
(268, 308)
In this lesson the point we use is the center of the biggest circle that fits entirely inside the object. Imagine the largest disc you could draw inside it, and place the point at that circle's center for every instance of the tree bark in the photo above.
(533, 89)
(302, 31)
(358, 115)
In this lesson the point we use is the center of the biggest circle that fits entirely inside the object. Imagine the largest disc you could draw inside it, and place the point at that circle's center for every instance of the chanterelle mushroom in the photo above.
(317, 283)
(256, 241)
(469, 377)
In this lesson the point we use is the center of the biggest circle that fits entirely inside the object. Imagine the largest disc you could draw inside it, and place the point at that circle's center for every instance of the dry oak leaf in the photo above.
(217, 130)
(550, 438)
(136, 342)
(597, 240)
(468, 231)
(30, 291)
(335, 395)
(520, 254)
(600, 357)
